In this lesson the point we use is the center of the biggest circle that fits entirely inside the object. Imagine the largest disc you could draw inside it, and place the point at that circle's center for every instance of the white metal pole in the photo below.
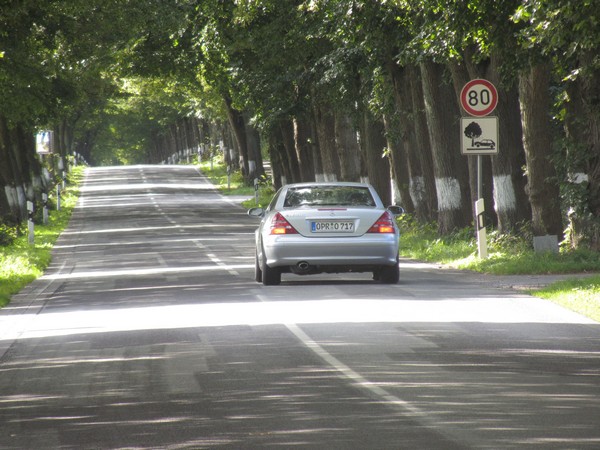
(30, 225)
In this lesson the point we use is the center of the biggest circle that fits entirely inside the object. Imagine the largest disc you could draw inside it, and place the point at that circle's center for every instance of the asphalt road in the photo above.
(148, 331)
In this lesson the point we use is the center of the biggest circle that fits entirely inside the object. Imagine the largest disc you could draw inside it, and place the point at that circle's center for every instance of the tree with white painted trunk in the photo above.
(450, 169)
(573, 39)
(510, 202)
(408, 106)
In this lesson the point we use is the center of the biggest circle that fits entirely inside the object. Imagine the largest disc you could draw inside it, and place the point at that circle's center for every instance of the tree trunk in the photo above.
(325, 127)
(417, 144)
(423, 190)
(306, 147)
(255, 162)
(237, 123)
(534, 94)
(582, 124)
(450, 168)
(510, 198)
(348, 149)
(374, 147)
(9, 207)
(21, 171)
(280, 165)
(399, 163)
(286, 128)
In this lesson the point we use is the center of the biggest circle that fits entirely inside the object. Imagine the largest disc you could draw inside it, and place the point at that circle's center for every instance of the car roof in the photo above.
(328, 183)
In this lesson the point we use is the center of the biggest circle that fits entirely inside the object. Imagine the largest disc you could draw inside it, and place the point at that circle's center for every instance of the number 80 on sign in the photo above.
(479, 97)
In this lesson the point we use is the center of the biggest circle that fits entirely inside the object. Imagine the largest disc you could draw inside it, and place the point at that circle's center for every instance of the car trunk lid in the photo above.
(332, 221)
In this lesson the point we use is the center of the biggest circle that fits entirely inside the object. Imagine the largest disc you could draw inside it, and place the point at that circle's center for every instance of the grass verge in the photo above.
(509, 255)
(217, 174)
(21, 262)
(582, 296)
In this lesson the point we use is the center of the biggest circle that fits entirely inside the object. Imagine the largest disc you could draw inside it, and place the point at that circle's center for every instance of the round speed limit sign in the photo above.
(479, 97)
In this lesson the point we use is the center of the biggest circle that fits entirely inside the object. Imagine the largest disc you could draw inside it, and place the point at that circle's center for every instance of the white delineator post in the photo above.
(45, 206)
(481, 232)
(30, 226)
(256, 191)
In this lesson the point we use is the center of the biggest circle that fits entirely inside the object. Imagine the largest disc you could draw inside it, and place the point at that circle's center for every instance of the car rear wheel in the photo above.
(270, 275)
(389, 274)
(257, 271)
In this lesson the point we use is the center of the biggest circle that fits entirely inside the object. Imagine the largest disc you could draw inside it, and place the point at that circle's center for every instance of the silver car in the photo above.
(311, 228)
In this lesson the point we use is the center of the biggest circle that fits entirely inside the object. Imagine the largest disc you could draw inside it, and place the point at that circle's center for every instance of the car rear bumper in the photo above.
(367, 250)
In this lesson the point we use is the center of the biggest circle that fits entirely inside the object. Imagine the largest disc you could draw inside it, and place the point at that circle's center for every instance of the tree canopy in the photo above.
(346, 89)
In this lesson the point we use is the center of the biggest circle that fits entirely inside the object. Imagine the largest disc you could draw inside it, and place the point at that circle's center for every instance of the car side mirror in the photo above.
(396, 210)
(256, 212)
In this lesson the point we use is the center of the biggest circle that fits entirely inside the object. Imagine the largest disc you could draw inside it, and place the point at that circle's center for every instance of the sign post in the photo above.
(479, 136)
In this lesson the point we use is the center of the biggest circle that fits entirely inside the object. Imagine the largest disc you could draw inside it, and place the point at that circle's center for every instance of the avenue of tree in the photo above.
(332, 89)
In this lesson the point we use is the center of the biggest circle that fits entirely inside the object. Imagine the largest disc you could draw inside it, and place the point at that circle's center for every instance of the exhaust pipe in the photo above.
(303, 266)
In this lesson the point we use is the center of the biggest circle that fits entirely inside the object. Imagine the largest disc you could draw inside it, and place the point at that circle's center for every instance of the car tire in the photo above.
(389, 274)
(271, 276)
(258, 276)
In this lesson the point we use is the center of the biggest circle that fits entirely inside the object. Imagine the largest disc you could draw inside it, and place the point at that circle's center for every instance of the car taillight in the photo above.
(385, 224)
(279, 225)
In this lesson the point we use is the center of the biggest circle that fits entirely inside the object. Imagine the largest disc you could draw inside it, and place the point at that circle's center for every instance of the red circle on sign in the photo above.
(479, 97)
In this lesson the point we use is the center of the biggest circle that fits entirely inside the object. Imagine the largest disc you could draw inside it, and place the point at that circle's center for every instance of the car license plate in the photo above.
(332, 226)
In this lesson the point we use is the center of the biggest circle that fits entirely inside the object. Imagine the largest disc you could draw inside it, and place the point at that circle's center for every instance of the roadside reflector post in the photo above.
(58, 197)
(45, 208)
(481, 232)
(228, 177)
(30, 226)
(256, 191)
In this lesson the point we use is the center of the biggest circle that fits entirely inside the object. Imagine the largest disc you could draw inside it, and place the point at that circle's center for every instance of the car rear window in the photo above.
(328, 196)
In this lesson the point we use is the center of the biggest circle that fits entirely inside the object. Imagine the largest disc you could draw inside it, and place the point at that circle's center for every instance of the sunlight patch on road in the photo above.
(140, 229)
(141, 272)
(338, 310)
(161, 241)
(131, 187)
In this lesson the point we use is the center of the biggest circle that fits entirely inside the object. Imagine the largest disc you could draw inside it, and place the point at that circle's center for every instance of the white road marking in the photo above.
(356, 378)
(230, 269)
